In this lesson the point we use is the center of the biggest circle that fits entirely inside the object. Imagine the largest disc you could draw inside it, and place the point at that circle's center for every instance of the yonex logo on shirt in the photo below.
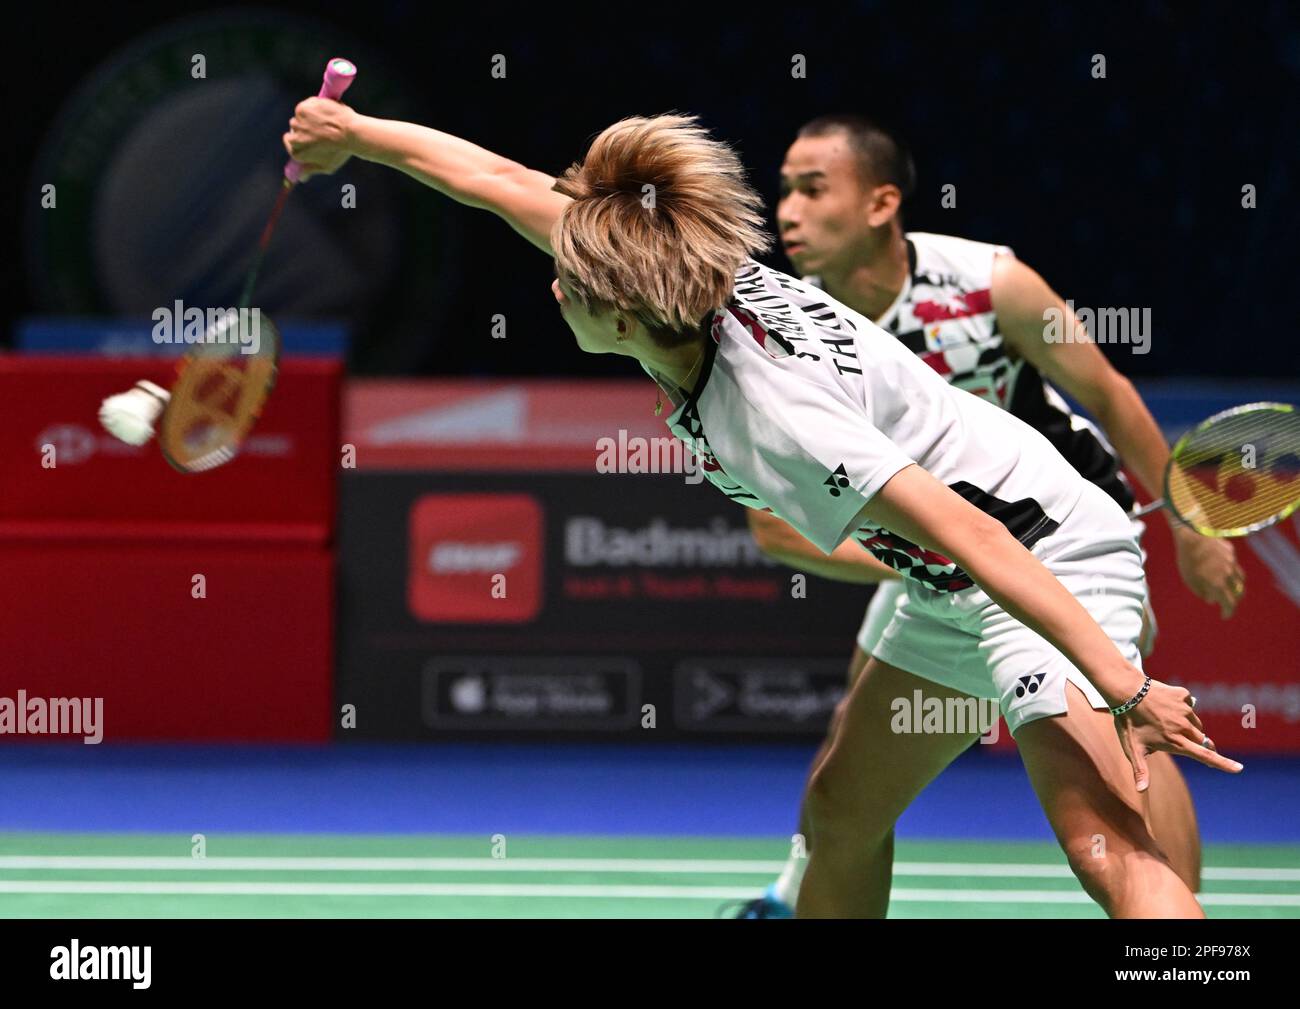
(839, 478)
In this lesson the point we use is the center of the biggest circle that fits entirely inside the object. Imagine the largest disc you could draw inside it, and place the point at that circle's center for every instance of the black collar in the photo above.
(710, 352)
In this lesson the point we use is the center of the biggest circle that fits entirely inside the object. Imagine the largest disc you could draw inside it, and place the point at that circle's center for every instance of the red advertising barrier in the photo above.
(195, 606)
(282, 485)
(1244, 672)
(251, 661)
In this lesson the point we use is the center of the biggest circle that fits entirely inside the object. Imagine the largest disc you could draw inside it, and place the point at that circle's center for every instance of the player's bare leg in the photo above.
(870, 775)
(1086, 787)
(1168, 807)
(1173, 817)
(786, 887)
(857, 663)
(1169, 802)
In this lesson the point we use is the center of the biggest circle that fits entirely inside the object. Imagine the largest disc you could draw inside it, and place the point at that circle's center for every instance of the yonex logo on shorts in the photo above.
(1029, 684)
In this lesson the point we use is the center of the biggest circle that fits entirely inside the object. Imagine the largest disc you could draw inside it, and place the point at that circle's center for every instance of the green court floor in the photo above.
(322, 876)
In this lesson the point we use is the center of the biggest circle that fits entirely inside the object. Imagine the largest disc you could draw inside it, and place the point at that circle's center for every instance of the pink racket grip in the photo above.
(339, 74)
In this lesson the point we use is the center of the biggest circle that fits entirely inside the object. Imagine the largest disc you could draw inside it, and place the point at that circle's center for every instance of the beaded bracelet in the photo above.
(1133, 701)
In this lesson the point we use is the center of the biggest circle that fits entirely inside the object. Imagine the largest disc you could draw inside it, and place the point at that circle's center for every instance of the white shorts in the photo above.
(965, 641)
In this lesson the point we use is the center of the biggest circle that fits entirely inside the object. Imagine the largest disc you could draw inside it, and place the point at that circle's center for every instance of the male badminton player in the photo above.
(798, 404)
(976, 314)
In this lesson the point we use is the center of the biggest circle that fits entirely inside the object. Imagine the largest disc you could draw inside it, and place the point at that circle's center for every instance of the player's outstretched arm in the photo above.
(848, 563)
(915, 505)
(1024, 304)
(323, 134)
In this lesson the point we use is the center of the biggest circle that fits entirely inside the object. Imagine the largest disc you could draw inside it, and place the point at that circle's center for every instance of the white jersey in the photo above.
(805, 408)
(944, 314)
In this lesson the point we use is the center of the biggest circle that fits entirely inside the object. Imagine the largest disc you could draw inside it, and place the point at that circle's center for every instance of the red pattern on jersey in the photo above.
(886, 541)
(969, 303)
(751, 324)
(937, 360)
(912, 561)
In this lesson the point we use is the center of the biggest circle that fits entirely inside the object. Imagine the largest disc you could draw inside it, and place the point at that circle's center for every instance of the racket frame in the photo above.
(194, 358)
(1235, 532)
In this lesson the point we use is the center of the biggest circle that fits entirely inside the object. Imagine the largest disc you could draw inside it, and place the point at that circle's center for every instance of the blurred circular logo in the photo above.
(166, 164)
(72, 443)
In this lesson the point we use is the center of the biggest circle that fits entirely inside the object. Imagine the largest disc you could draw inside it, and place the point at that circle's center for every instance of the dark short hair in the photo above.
(881, 157)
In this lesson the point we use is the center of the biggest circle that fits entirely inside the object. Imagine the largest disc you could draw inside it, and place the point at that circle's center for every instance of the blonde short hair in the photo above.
(660, 221)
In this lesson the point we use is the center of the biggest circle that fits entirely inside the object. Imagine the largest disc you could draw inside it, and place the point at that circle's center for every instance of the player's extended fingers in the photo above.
(1209, 756)
(1135, 752)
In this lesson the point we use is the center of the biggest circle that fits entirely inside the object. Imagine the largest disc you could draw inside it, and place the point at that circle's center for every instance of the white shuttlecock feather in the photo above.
(130, 416)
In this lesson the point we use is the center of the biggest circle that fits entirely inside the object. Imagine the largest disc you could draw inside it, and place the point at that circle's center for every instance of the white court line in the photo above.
(378, 889)
(1079, 897)
(382, 864)
(1047, 871)
(668, 866)
(572, 891)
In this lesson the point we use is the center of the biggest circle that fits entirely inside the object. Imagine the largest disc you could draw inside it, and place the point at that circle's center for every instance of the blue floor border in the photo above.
(607, 789)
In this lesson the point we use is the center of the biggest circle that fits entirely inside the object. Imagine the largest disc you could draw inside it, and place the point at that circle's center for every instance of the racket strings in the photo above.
(215, 403)
(1238, 471)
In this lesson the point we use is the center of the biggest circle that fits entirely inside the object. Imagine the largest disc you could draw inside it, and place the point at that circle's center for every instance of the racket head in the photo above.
(221, 386)
(1238, 471)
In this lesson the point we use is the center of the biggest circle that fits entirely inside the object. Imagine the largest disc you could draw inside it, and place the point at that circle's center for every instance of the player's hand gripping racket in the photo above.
(223, 381)
(1235, 473)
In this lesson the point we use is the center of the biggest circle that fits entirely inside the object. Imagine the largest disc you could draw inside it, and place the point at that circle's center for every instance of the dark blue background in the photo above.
(1122, 192)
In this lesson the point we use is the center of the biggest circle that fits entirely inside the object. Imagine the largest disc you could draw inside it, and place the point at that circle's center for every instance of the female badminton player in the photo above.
(1023, 578)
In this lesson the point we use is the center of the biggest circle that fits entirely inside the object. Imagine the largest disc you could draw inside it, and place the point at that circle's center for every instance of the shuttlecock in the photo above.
(130, 416)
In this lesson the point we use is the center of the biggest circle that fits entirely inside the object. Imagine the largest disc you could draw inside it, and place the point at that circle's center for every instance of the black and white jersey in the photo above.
(805, 408)
(944, 315)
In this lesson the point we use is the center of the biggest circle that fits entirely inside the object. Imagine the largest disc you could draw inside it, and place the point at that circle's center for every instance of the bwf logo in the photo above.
(75, 962)
(181, 325)
(463, 570)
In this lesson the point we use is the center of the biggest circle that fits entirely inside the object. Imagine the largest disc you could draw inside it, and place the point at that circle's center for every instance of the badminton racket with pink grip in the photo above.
(223, 382)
